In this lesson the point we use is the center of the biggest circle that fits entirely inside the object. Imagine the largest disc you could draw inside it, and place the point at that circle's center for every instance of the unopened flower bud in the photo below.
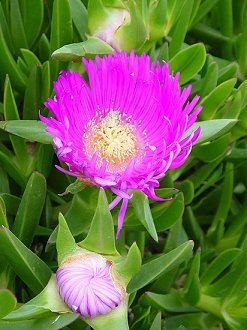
(120, 24)
(87, 286)
(107, 30)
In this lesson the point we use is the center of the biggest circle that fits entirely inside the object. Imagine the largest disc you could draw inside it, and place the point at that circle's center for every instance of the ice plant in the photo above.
(87, 286)
(125, 127)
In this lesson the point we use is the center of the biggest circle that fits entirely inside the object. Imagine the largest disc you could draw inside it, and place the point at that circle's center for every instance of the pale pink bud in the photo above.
(86, 284)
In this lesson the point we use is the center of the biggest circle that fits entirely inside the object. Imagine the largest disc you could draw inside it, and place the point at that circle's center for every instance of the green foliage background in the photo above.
(176, 288)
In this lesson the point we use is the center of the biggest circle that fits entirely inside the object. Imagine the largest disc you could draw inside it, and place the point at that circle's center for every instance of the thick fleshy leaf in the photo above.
(192, 288)
(66, 244)
(47, 300)
(89, 48)
(187, 188)
(44, 159)
(61, 17)
(30, 58)
(218, 266)
(212, 102)
(51, 321)
(174, 9)
(11, 113)
(44, 48)
(46, 81)
(3, 218)
(131, 264)
(156, 325)
(5, 27)
(152, 269)
(179, 31)
(204, 9)
(203, 173)
(32, 101)
(101, 230)
(232, 108)
(209, 81)
(17, 27)
(167, 213)
(74, 187)
(32, 19)
(157, 20)
(188, 62)
(8, 162)
(171, 302)
(9, 66)
(32, 130)
(30, 209)
(216, 230)
(243, 44)
(212, 151)
(7, 302)
(27, 265)
(79, 214)
(79, 17)
(4, 181)
(212, 129)
(11, 203)
(143, 213)
(227, 72)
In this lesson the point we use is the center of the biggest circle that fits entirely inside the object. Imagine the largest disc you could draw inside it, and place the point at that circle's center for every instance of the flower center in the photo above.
(115, 141)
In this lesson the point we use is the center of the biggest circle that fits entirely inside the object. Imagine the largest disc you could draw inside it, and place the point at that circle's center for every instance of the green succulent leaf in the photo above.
(32, 20)
(131, 263)
(7, 302)
(30, 209)
(3, 217)
(88, 48)
(218, 266)
(53, 321)
(66, 244)
(162, 264)
(188, 62)
(27, 265)
(212, 102)
(31, 130)
(49, 300)
(212, 129)
(101, 229)
(143, 213)
(79, 17)
(172, 302)
(10, 67)
(74, 187)
(156, 325)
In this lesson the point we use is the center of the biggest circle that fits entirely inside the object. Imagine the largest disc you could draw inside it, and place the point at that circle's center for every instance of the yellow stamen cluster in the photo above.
(114, 140)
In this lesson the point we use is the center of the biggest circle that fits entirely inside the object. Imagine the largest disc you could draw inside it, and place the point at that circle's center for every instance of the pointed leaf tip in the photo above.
(65, 241)
(101, 230)
(131, 264)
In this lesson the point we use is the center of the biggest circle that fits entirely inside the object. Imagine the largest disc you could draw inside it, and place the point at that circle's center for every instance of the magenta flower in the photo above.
(125, 127)
(86, 285)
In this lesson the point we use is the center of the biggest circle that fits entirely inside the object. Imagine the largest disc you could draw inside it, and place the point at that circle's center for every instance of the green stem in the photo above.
(211, 305)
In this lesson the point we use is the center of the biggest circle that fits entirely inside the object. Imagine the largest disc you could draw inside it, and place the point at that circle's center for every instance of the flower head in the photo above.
(87, 286)
(125, 127)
